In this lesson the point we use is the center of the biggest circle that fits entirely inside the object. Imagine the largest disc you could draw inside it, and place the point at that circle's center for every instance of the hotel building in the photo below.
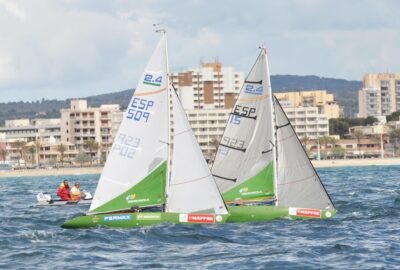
(380, 95)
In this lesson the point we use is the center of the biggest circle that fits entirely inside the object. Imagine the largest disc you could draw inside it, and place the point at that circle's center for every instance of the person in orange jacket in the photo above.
(63, 191)
(76, 192)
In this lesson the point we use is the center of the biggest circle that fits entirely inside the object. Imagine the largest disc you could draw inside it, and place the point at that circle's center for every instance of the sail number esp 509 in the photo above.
(139, 109)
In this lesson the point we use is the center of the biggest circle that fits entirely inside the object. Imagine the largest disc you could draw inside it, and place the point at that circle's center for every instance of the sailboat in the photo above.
(260, 163)
(155, 171)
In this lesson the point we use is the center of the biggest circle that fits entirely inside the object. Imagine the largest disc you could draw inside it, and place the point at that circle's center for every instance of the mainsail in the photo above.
(136, 168)
(298, 183)
(244, 165)
(192, 188)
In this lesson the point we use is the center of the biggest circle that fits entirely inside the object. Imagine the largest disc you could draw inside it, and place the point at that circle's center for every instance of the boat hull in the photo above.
(237, 214)
(63, 203)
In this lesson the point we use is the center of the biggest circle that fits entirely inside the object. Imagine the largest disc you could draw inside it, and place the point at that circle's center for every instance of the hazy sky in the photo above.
(59, 49)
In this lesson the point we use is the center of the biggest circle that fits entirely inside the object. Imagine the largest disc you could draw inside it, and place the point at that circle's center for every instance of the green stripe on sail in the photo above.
(149, 191)
(258, 187)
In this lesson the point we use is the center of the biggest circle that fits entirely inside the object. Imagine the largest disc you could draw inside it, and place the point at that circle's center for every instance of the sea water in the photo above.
(365, 234)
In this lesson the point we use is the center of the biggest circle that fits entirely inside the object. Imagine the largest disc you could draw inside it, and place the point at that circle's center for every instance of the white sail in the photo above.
(247, 146)
(298, 183)
(141, 144)
(192, 188)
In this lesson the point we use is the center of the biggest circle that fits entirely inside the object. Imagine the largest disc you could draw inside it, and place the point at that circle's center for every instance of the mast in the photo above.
(163, 31)
(273, 122)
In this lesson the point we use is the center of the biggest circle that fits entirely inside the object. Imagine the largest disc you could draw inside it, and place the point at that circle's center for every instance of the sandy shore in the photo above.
(355, 162)
(97, 170)
(56, 172)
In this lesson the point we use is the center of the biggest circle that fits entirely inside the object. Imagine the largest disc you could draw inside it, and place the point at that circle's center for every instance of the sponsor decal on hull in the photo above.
(132, 199)
(149, 216)
(117, 218)
(197, 218)
(305, 212)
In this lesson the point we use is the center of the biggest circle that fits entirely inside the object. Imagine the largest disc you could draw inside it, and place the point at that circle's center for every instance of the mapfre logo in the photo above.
(201, 218)
(304, 212)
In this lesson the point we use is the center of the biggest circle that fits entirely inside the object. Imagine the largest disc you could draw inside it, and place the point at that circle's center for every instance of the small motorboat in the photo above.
(45, 199)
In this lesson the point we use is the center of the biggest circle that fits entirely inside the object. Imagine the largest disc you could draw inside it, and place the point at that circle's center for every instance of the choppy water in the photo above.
(365, 234)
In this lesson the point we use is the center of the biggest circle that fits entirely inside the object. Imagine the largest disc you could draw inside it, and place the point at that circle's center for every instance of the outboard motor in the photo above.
(87, 195)
(44, 197)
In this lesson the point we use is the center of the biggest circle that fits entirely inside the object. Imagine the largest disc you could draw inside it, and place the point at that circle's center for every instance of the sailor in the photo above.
(63, 191)
(76, 192)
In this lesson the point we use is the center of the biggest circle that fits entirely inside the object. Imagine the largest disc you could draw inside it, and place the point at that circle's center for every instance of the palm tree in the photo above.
(20, 147)
(92, 146)
(32, 150)
(61, 148)
(3, 154)
(304, 141)
(38, 145)
(324, 140)
(394, 137)
(358, 134)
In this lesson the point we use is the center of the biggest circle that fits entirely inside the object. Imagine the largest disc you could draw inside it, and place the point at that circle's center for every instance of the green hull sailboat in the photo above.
(260, 159)
(156, 173)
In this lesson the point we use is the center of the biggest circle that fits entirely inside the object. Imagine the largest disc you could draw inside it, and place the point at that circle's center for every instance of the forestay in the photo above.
(135, 171)
(243, 166)
(298, 183)
(192, 188)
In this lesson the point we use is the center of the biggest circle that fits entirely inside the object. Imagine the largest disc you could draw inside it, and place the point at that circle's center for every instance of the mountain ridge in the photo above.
(346, 93)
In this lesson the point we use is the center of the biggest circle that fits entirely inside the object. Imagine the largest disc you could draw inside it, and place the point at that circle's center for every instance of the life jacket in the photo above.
(75, 194)
(63, 193)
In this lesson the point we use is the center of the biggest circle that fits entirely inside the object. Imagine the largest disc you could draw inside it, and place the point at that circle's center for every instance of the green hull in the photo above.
(237, 214)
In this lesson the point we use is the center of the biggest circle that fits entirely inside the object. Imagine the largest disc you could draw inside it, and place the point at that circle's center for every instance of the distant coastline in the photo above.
(97, 170)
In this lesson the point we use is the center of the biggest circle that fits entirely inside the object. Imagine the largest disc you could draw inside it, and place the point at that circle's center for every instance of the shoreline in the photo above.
(97, 170)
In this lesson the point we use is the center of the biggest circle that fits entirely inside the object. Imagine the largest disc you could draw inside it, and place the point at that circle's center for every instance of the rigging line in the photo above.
(254, 82)
(234, 148)
(184, 131)
(229, 179)
(245, 116)
(283, 139)
(193, 180)
(294, 182)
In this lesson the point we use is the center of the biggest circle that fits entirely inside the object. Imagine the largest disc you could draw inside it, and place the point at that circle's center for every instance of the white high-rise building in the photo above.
(208, 94)
(380, 95)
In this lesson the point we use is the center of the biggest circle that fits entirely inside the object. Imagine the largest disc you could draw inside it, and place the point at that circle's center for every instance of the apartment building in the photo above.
(324, 101)
(208, 127)
(211, 86)
(306, 121)
(208, 94)
(81, 123)
(380, 94)
(31, 130)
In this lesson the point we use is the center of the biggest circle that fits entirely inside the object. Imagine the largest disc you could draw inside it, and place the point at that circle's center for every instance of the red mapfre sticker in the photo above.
(201, 218)
(315, 213)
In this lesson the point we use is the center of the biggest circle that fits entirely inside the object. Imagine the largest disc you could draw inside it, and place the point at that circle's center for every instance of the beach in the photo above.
(97, 170)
